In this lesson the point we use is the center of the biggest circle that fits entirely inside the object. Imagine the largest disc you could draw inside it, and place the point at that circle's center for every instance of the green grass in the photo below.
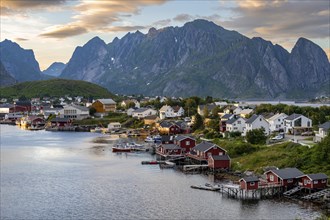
(55, 88)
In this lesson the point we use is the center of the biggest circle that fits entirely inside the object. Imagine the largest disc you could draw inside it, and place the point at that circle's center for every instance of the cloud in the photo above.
(12, 7)
(100, 16)
(183, 18)
(64, 31)
(281, 18)
(21, 39)
(162, 23)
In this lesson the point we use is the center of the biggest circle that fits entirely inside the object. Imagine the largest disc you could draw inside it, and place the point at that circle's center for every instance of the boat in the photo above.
(149, 139)
(98, 130)
(153, 139)
(133, 145)
(167, 164)
(121, 148)
(207, 186)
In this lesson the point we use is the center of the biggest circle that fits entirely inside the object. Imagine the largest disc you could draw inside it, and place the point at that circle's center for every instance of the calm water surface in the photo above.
(64, 175)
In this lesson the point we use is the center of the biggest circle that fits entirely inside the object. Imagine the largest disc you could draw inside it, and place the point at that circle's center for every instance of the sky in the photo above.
(54, 28)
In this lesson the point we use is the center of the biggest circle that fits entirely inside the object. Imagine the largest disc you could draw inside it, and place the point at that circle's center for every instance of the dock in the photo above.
(206, 187)
(193, 167)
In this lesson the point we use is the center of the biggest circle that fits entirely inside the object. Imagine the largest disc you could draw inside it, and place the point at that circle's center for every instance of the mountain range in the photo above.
(199, 58)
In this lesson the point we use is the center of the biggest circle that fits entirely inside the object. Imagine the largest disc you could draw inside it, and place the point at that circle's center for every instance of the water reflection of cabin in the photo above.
(201, 152)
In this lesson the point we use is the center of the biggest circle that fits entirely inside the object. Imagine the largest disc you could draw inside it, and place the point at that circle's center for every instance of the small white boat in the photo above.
(149, 139)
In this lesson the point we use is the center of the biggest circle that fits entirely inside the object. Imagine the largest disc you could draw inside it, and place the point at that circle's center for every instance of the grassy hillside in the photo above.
(251, 157)
(55, 88)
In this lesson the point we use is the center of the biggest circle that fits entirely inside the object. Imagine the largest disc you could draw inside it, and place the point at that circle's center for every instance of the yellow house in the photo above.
(104, 105)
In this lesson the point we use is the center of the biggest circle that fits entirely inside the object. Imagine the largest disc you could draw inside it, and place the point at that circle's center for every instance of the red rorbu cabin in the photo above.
(313, 181)
(219, 161)
(169, 150)
(285, 177)
(204, 150)
(249, 183)
(186, 143)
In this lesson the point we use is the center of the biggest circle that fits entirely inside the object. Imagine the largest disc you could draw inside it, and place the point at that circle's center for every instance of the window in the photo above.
(308, 182)
(271, 178)
(252, 183)
(290, 180)
(239, 122)
(220, 153)
(323, 181)
(316, 181)
(187, 142)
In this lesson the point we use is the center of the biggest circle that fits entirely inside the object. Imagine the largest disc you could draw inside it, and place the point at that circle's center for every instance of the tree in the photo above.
(215, 112)
(92, 111)
(206, 112)
(208, 99)
(198, 123)
(130, 105)
(256, 136)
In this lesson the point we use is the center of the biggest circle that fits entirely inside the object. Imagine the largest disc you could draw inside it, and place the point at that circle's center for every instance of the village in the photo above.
(178, 137)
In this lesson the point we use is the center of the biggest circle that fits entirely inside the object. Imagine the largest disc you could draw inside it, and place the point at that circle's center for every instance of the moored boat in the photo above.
(121, 148)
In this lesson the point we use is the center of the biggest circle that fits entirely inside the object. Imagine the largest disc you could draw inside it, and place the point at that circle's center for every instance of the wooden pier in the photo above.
(266, 191)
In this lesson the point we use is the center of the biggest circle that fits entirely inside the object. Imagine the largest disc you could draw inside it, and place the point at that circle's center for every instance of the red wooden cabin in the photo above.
(219, 161)
(313, 181)
(285, 177)
(186, 143)
(204, 150)
(249, 183)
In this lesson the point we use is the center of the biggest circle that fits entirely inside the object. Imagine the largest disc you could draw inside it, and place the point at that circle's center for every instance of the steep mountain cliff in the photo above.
(202, 59)
(5, 78)
(18, 62)
(55, 69)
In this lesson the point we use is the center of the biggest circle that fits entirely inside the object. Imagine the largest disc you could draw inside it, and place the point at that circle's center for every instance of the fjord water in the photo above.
(62, 175)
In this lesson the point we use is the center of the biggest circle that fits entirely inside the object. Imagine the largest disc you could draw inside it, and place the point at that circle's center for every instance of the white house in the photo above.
(235, 124)
(74, 111)
(256, 122)
(130, 111)
(221, 104)
(296, 122)
(143, 112)
(323, 131)
(126, 102)
(245, 112)
(276, 122)
(178, 111)
(114, 126)
(237, 110)
(166, 112)
(46, 111)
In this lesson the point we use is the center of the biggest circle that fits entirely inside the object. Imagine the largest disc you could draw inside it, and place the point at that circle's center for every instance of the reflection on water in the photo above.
(60, 175)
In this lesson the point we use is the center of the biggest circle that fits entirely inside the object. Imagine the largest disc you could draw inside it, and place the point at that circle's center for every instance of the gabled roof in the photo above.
(176, 108)
(293, 116)
(233, 120)
(171, 147)
(167, 124)
(205, 146)
(140, 110)
(220, 157)
(249, 179)
(209, 107)
(246, 111)
(167, 138)
(81, 108)
(325, 126)
(251, 119)
(316, 176)
(164, 108)
(107, 101)
(6, 106)
(227, 116)
(287, 173)
(151, 117)
(276, 116)
(182, 137)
